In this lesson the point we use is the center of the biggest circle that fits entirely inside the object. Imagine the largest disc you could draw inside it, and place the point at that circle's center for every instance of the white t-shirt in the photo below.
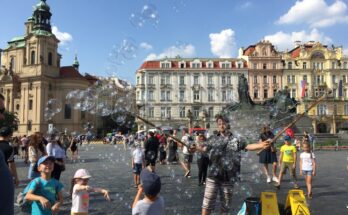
(55, 150)
(80, 200)
(138, 156)
(185, 139)
(306, 159)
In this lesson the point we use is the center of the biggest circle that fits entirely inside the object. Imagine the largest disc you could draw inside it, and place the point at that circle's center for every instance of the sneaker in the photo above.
(310, 196)
(187, 173)
(277, 186)
(268, 179)
(275, 179)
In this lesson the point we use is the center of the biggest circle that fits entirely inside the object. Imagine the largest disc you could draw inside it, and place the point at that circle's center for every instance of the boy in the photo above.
(187, 152)
(152, 204)
(287, 160)
(45, 191)
(138, 163)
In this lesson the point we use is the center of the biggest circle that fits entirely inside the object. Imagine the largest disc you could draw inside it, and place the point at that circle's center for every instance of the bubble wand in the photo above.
(159, 128)
(299, 117)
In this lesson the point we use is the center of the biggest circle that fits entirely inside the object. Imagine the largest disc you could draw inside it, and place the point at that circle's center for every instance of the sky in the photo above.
(114, 37)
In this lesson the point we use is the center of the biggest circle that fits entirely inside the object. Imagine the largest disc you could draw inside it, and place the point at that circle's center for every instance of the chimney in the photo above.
(297, 43)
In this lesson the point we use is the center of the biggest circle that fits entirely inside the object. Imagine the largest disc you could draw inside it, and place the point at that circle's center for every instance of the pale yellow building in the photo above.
(319, 68)
(31, 75)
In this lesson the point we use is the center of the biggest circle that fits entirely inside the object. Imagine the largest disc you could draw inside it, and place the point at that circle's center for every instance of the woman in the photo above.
(202, 160)
(172, 148)
(15, 145)
(35, 151)
(268, 156)
(74, 149)
(54, 148)
(162, 149)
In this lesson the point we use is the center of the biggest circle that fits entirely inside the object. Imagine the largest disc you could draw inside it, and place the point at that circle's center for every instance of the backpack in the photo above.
(25, 205)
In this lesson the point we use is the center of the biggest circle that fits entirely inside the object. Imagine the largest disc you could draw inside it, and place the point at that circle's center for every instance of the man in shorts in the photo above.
(224, 154)
(187, 153)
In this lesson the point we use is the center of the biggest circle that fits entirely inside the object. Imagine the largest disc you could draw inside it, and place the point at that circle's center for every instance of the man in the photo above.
(224, 153)
(187, 152)
(151, 150)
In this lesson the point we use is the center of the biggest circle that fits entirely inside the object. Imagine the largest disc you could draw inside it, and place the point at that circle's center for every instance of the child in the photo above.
(287, 160)
(80, 192)
(138, 163)
(152, 204)
(45, 191)
(307, 166)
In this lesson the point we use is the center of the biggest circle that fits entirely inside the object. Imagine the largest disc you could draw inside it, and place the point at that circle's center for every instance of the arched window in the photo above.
(32, 58)
(12, 64)
(50, 58)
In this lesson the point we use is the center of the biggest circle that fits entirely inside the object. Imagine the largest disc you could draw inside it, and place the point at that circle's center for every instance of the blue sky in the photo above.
(114, 37)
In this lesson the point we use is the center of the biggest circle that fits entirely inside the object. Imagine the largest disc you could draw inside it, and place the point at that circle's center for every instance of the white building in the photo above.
(167, 90)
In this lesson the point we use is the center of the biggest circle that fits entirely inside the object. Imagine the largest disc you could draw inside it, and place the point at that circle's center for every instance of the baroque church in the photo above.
(31, 75)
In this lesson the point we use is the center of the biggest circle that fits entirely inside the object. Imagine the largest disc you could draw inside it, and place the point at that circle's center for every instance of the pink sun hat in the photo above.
(82, 173)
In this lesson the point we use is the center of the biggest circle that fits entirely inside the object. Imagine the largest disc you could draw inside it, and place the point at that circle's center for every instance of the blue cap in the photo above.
(44, 158)
(287, 138)
(151, 182)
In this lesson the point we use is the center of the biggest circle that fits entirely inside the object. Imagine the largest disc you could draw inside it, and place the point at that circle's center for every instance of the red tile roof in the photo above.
(249, 51)
(150, 64)
(69, 72)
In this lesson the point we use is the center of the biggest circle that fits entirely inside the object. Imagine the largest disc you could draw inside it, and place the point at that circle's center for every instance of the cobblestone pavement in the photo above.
(110, 168)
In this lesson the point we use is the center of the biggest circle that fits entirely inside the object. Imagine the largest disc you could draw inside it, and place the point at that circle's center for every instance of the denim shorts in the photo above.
(137, 168)
(307, 172)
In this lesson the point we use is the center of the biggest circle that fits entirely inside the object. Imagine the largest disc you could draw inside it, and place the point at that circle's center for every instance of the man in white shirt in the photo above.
(187, 152)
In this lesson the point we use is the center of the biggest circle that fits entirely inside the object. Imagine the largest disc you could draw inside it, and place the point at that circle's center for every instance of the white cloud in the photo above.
(286, 40)
(63, 37)
(145, 46)
(315, 13)
(173, 51)
(246, 5)
(345, 52)
(222, 44)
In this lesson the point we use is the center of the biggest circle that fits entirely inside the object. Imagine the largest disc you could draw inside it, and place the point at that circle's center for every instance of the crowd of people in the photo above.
(218, 161)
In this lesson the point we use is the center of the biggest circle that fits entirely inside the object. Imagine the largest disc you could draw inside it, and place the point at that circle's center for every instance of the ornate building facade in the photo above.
(312, 69)
(186, 92)
(31, 75)
(265, 70)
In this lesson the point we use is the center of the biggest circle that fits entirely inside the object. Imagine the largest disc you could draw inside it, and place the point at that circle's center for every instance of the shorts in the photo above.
(212, 188)
(288, 165)
(137, 168)
(307, 172)
(188, 158)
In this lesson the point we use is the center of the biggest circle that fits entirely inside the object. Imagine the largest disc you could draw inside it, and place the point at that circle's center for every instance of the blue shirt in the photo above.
(49, 190)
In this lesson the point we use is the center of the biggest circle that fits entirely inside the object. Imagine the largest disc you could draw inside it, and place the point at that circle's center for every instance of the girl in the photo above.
(307, 166)
(35, 151)
(74, 149)
(80, 192)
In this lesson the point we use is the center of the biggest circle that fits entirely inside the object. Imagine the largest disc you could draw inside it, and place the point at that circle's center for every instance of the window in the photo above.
(265, 79)
(256, 93)
(274, 66)
(210, 95)
(29, 125)
(12, 64)
(143, 95)
(224, 95)
(182, 80)
(181, 95)
(225, 65)
(182, 112)
(169, 112)
(138, 95)
(210, 79)
(150, 97)
(17, 107)
(210, 65)
(240, 65)
(30, 104)
(274, 79)
(228, 81)
(163, 80)
(32, 58)
(138, 80)
(304, 65)
(182, 65)
(196, 65)
(321, 109)
(346, 109)
(223, 80)
(333, 65)
(293, 80)
(293, 93)
(288, 79)
(264, 66)
(195, 79)
(254, 66)
(163, 95)
(334, 79)
(151, 79)
(163, 112)
(195, 95)
(334, 93)
(344, 78)
(151, 111)
(196, 112)
(290, 65)
(168, 96)
(142, 79)
(345, 66)
(274, 92)
(165, 65)
(255, 79)
(83, 114)
(50, 59)
(305, 78)
(265, 93)
(211, 112)
(67, 111)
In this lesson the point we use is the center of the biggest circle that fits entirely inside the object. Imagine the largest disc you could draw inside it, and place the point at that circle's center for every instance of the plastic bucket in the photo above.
(253, 206)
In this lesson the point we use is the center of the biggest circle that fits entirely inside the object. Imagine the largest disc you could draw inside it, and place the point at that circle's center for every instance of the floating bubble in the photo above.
(136, 20)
